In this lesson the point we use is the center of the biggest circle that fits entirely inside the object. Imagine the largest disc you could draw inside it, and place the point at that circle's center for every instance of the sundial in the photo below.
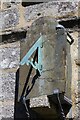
(43, 59)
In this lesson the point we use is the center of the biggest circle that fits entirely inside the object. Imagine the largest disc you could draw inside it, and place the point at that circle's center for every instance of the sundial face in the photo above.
(43, 68)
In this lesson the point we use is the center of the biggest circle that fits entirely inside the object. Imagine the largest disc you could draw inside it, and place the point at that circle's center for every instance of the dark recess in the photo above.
(14, 36)
(38, 14)
(24, 4)
(71, 23)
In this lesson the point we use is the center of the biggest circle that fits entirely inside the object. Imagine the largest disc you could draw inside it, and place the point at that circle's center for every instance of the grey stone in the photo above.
(10, 76)
(8, 89)
(49, 9)
(7, 94)
(7, 118)
(9, 18)
(41, 101)
(10, 57)
(7, 86)
(7, 111)
(77, 113)
(1, 89)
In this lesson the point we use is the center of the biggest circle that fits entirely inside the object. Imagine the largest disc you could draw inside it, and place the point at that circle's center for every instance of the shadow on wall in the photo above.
(19, 108)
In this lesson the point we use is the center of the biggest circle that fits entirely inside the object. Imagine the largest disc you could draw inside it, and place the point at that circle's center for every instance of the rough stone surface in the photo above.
(8, 85)
(46, 9)
(39, 101)
(78, 96)
(9, 18)
(9, 56)
(19, 17)
(7, 111)
(5, 4)
(7, 95)
(8, 89)
(74, 87)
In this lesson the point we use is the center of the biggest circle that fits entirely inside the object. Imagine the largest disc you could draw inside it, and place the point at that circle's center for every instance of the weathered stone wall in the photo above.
(17, 18)
(9, 61)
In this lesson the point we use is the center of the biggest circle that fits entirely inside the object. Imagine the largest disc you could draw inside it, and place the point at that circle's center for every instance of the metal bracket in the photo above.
(27, 111)
(70, 39)
(36, 65)
(57, 93)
